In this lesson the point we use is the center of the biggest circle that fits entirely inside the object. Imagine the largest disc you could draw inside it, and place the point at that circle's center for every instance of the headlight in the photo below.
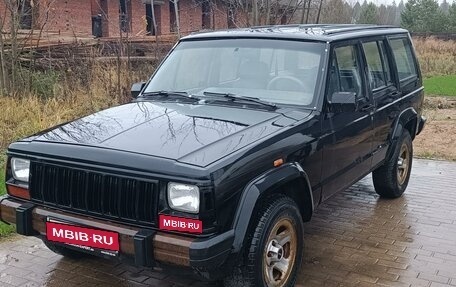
(183, 197)
(20, 168)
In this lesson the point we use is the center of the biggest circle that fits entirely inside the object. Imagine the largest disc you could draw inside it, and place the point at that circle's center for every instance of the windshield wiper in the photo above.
(234, 97)
(168, 94)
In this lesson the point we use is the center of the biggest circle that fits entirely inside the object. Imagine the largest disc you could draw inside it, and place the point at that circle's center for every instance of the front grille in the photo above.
(93, 192)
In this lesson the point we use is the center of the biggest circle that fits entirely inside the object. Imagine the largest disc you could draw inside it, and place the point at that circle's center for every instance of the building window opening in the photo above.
(25, 12)
(172, 17)
(124, 15)
(150, 21)
(206, 10)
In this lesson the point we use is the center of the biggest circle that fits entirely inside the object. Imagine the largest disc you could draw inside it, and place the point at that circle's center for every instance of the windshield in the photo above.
(276, 71)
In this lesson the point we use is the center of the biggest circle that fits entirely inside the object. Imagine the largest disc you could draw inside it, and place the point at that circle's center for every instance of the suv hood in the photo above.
(193, 134)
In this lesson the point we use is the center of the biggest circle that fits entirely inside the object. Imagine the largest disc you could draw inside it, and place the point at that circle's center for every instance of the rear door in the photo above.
(393, 92)
(383, 88)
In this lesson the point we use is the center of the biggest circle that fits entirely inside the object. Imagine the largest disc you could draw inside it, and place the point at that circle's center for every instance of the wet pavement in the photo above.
(354, 239)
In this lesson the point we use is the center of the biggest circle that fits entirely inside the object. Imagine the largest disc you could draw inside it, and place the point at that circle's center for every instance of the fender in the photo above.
(255, 188)
(404, 117)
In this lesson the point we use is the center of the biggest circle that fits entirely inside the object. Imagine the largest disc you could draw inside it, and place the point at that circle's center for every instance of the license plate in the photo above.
(82, 237)
(180, 224)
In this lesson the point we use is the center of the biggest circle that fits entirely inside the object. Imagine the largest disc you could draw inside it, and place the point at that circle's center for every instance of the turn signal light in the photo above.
(18, 191)
(278, 162)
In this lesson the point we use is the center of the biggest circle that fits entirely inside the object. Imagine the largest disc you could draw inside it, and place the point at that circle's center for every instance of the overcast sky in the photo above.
(378, 2)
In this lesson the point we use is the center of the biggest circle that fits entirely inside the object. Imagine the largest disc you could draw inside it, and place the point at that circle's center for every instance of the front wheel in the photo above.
(391, 179)
(274, 253)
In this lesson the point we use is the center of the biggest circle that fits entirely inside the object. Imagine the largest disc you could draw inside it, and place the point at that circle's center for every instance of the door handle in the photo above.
(395, 94)
(367, 107)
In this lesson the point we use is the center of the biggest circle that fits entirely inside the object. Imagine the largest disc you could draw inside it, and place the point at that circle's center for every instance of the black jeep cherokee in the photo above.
(226, 151)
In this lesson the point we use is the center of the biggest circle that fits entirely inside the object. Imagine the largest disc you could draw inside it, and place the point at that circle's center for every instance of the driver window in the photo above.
(345, 71)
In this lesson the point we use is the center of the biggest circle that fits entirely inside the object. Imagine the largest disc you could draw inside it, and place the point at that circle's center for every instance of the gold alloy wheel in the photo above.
(403, 163)
(280, 253)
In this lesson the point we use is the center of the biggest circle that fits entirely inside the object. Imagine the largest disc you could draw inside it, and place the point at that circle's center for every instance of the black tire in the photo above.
(64, 251)
(391, 179)
(276, 218)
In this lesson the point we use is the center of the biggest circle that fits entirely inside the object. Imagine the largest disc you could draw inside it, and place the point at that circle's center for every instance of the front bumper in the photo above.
(142, 247)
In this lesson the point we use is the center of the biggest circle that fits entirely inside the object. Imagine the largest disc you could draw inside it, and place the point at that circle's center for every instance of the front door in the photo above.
(348, 134)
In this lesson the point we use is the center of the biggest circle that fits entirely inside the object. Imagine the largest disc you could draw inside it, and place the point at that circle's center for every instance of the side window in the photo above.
(403, 56)
(345, 71)
(386, 66)
(377, 64)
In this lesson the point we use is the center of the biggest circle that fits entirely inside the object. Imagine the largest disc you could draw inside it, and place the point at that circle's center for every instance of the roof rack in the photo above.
(328, 29)
(287, 26)
(356, 27)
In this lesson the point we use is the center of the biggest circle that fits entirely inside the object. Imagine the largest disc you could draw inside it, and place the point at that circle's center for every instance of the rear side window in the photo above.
(402, 51)
(377, 65)
(386, 66)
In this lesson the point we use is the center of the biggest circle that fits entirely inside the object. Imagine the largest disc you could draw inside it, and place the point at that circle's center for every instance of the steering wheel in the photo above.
(286, 83)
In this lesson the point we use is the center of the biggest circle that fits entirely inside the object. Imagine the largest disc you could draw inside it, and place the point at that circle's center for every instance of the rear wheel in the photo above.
(274, 253)
(391, 179)
(64, 251)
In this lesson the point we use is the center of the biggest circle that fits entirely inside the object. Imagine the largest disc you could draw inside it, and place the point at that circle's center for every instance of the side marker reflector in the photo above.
(278, 162)
(18, 191)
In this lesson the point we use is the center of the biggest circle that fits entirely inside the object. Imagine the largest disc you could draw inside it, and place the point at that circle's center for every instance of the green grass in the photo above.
(440, 85)
(4, 228)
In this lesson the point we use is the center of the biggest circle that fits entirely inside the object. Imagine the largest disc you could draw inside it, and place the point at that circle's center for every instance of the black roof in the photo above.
(312, 32)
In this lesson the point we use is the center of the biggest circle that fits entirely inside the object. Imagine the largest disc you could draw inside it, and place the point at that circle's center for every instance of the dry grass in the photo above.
(438, 137)
(81, 91)
(25, 116)
(436, 57)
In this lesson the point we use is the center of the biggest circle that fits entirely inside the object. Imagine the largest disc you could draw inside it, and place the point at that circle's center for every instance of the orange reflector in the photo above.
(18, 191)
(278, 162)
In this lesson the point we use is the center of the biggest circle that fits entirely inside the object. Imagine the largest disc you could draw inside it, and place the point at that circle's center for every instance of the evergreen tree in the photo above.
(399, 10)
(423, 16)
(369, 14)
(445, 7)
(356, 12)
(391, 14)
(382, 15)
(452, 17)
(364, 5)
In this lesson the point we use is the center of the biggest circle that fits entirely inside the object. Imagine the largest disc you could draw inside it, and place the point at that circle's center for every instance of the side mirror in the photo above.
(343, 102)
(136, 89)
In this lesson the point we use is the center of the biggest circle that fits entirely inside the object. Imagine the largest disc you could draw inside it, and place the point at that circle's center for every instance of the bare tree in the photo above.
(176, 12)
(154, 21)
(10, 44)
(319, 11)
(303, 11)
(268, 12)
(336, 11)
(255, 12)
